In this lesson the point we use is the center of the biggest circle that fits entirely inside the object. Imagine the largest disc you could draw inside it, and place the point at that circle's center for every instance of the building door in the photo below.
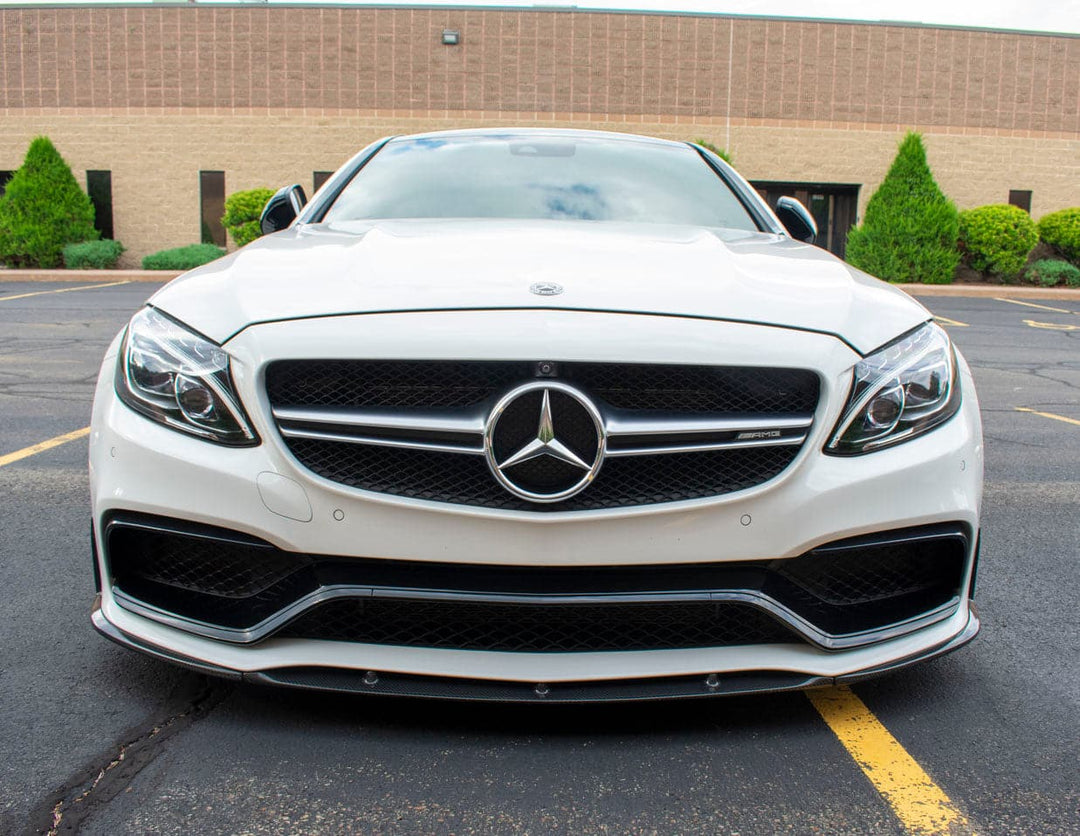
(833, 206)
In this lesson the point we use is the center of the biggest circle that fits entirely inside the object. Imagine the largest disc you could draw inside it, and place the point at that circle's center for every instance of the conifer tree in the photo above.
(42, 210)
(910, 229)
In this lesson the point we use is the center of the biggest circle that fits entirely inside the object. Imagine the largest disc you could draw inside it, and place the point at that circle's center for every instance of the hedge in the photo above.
(93, 255)
(1061, 230)
(997, 239)
(1050, 272)
(182, 258)
(242, 211)
(42, 210)
(910, 230)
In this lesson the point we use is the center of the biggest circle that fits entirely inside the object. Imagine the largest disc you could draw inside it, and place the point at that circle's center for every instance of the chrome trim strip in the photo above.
(705, 446)
(376, 441)
(431, 422)
(236, 635)
(625, 423)
(263, 629)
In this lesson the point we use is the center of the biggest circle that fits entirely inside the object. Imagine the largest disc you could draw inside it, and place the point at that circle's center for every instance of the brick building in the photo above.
(164, 109)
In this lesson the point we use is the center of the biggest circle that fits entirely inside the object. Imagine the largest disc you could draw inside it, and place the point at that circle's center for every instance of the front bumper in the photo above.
(138, 467)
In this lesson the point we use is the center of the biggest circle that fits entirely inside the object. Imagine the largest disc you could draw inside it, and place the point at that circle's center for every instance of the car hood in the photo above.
(394, 266)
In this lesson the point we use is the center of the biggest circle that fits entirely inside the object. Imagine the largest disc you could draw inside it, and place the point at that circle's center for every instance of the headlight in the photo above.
(181, 380)
(905, 389)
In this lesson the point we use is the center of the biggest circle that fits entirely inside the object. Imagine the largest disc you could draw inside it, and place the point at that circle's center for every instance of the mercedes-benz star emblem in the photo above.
(546, 288)
(544, 441)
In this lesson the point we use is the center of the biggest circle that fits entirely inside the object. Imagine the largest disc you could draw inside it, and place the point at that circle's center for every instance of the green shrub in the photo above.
(1061, 230)
(1050, 272)
(997, 239)
(716, 149)
(182, 258)
(910, 229)
(93, 255)
(42, 210)
(242, 211)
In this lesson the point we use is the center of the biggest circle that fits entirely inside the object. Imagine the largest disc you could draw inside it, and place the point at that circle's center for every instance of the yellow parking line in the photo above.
(944, 320)
(61, 290)
(1032, 305)
(26, 452)
(921, 805)
(1051, 326)
(1050, 415)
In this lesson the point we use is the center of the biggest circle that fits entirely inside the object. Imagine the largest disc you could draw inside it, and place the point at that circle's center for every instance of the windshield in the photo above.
(544, 176)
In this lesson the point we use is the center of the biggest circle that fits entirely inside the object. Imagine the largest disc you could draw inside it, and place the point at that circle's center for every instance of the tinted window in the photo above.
(545, 176)
(212, 206)
(1021, 198)
(99, 187)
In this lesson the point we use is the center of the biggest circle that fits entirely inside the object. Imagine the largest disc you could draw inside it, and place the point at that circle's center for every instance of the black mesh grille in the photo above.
(849, 578)
(390, 384)
(854, 588)
(539, 628)
(466, 480)
(699, 388)
(232, 583)
(205, 565)
(443, 384)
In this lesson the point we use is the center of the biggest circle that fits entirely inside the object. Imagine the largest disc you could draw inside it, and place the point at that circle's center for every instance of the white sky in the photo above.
(1031, 15)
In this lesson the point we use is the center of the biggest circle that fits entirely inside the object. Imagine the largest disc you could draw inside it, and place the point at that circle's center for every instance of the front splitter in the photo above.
(380, 683)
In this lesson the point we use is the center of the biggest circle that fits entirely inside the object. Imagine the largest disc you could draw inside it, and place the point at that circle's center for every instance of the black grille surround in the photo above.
(844, 594)
(642, 391)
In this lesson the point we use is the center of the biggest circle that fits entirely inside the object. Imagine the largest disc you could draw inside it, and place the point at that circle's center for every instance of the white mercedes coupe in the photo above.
(535, 416)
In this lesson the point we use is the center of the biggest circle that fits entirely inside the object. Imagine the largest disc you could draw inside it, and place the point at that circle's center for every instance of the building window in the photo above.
(99, 187)
(4, 177)
(1018, 197)
(320, 177)
(212, 206)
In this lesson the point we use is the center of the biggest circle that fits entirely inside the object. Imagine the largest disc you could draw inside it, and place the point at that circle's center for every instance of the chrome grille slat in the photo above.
(704, 447)
(624, 422)
(326, 424)
(455, 421)
(376, 441)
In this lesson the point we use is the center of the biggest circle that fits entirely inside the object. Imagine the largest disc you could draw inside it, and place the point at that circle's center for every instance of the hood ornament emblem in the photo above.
(546, 288)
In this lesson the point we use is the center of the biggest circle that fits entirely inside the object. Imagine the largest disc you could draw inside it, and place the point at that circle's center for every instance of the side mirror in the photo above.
(796, 219)
(282, 209)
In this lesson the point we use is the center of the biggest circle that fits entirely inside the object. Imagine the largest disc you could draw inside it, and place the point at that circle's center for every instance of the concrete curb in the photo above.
(88, 276)
(999, 291)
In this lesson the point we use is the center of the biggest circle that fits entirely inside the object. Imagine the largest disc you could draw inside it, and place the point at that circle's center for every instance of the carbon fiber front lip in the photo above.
(341, 680)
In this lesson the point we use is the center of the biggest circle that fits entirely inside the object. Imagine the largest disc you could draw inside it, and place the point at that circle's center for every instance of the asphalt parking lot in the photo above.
(100, 740)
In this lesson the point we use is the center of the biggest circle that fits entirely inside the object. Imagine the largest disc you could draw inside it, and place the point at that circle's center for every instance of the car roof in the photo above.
(526, 133)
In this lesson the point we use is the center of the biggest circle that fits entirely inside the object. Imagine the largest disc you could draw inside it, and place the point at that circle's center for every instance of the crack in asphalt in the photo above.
(97, 783)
